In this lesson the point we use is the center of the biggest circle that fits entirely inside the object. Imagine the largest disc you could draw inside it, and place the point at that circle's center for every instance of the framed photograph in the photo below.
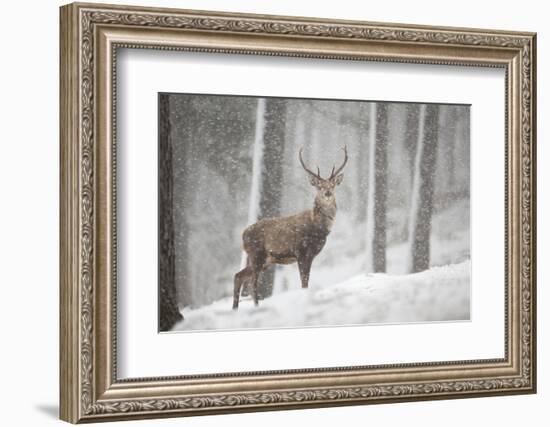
(266, 212)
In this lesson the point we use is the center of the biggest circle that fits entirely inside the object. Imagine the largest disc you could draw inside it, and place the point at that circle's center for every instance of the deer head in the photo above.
(325, 186)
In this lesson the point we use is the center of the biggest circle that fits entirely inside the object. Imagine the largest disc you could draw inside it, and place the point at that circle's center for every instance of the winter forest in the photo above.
(399, 246)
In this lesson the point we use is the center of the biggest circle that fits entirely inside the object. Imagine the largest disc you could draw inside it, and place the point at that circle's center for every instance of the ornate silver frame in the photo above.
(90, 36)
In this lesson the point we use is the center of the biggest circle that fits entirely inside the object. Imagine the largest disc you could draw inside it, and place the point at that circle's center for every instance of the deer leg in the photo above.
(240, 277)
(258, 264)
(304, 265)
(255, 287)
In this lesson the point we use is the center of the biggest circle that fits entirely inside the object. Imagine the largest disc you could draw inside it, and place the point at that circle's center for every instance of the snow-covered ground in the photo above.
(439, 294)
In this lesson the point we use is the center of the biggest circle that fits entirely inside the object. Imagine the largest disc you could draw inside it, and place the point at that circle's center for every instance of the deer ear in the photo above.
(313, 180)
(338, 179)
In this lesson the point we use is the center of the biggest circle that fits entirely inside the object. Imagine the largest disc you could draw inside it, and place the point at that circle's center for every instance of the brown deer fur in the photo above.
(296, 238)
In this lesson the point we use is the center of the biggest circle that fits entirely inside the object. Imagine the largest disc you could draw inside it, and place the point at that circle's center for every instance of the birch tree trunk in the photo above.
(423, 190)
(169, 313)
(377, 188)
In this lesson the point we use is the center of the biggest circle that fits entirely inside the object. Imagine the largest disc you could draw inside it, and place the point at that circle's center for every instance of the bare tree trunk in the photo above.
(272, 174)
(410, 141)
(450, 153)
(446, 167)
(169, 313)
(362, 163)
(184, 130)
(256, 183)
(257, 160)
(423, 189)
(462, 153)
(411, 135)
(376, 205)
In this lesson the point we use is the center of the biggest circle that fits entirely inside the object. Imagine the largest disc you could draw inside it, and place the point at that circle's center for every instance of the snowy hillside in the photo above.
(439, 294)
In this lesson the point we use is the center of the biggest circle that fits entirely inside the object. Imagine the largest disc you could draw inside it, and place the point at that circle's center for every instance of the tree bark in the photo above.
(411, 135)
(446, 169)
(256, 181)
(169, 312)
(272, 174)
(423, 190)
(376, 205)
(185, 129)
(362, 162)
(410, 141)
(450, 153)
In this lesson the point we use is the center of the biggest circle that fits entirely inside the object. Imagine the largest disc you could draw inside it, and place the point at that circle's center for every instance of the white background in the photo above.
(29, 171)
(144, 73)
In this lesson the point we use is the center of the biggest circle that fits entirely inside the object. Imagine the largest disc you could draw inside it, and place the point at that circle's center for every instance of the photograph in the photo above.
(291, 212)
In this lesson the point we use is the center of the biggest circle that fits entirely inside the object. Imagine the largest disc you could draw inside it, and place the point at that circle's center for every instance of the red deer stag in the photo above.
(296, 238)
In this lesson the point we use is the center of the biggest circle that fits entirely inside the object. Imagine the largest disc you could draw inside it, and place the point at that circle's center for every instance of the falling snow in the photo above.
(219, 183)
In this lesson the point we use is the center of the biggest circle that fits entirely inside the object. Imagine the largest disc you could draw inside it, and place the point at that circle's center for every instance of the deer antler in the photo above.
(334, 173)
(318, 175)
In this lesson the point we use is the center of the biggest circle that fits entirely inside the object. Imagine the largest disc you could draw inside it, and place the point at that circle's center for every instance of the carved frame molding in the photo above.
(90, 36)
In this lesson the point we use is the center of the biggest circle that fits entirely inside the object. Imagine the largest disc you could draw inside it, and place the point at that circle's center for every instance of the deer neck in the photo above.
(323, 214)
